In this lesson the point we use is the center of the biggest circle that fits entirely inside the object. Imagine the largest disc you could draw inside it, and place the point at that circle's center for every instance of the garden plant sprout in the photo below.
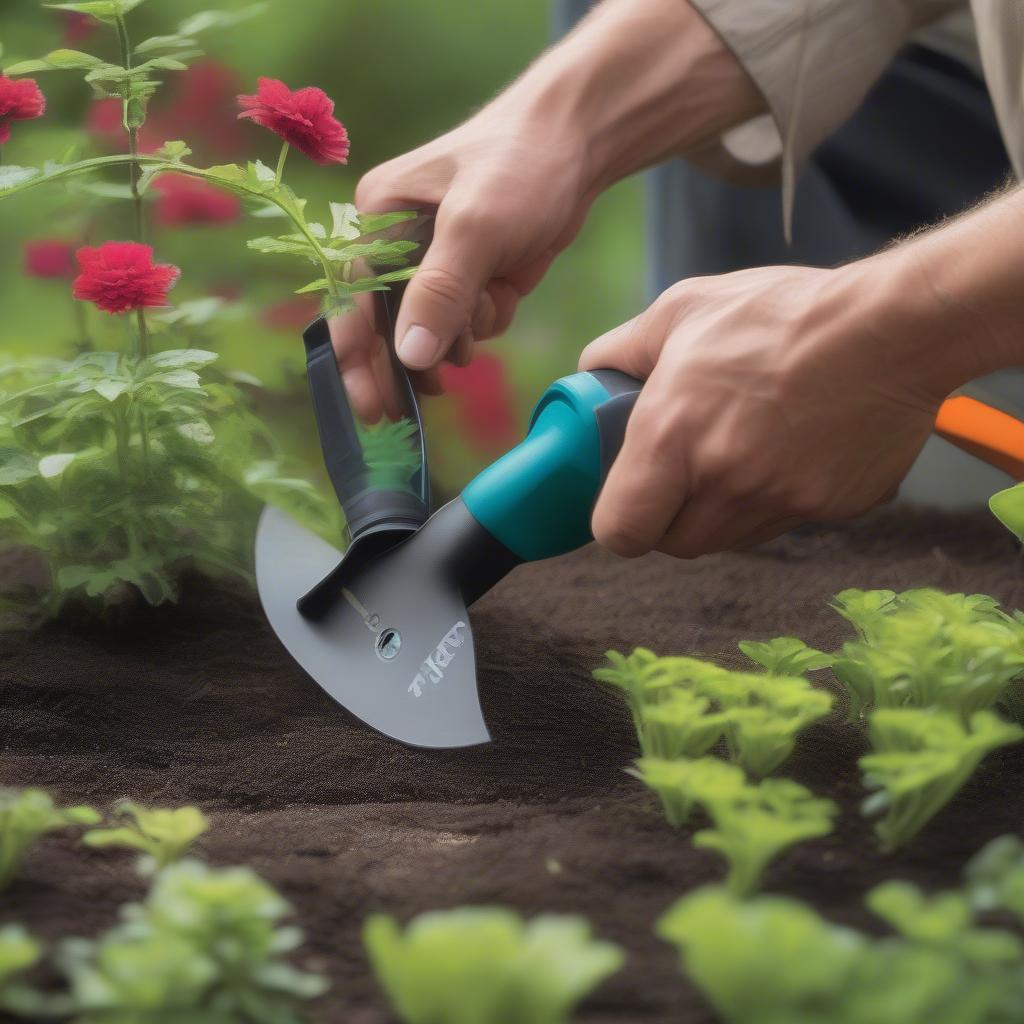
(921, 759)
(682, 707)
(485, 965)
(752, 823)
(162, 835)
(25, 816)
(110, 461)
(774, 960)
(18, 953)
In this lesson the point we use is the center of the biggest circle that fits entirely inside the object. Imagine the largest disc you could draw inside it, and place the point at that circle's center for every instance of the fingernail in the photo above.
(419, 347)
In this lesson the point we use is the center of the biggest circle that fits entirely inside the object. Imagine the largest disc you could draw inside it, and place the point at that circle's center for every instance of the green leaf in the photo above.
(163, 835)
(785, 656)
(345, 222)
(370, 223)
(51, 466)
(206, 20)
(321, 284)
(104, 10)
(1008, 507)
(486, 964)
(57, 60)
(182, 357)
(25, 816)
(11, 175)
(176, 150)
(379, 252)
(16, 466)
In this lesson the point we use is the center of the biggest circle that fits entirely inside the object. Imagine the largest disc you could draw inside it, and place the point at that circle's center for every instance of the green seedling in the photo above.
(785, 656)
(758, 715)
(205, 947)
(995, 876)
(163, 836)
(763, 715)
(478, 965)
(924, 649)
(684, 784)
(752, 827)
(920, 761)
(18, 953)
(773, 960)
(25, 816)
(681, 725)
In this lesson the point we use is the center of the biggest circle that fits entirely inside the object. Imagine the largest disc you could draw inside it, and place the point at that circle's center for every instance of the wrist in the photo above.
(636, 82)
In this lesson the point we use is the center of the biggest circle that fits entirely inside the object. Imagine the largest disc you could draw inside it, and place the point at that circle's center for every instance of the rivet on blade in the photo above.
(389, 643)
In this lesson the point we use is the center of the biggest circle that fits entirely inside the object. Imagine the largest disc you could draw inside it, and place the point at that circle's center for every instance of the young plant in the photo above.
(921, 759)
(752, 827)
(25, 816)
(758, 715)
(685, 784)
(925, 649)
(995, 877)
(18, 953)
(773, 960)
(205, 946)
(785, 656)
(162, 835)
(752, 824)
(477, 965)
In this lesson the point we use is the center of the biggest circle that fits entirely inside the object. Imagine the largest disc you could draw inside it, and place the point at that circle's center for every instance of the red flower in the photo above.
(119, 276)
(186, 200)
(78, 27)
(20, 100)
(304, 119)
(50, 258)
(485, 404)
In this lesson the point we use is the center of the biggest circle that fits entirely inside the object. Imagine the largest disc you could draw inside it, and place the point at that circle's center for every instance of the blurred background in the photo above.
(400, 73)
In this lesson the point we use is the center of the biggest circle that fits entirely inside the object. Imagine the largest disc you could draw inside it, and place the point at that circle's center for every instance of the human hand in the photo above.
(774, 396)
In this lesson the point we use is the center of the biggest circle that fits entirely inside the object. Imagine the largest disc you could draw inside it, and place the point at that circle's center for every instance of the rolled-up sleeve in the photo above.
(814, 61)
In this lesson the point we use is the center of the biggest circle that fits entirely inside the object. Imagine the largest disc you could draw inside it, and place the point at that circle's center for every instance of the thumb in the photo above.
(439, 302)
(622, 348)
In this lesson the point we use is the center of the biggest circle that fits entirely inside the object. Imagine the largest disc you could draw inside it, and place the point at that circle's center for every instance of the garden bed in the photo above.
(200, 704)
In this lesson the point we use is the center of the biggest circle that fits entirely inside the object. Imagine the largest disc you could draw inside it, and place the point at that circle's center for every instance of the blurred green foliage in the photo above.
(401, 73)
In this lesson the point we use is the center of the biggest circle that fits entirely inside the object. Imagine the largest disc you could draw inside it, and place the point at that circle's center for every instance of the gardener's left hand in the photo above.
(774, 396)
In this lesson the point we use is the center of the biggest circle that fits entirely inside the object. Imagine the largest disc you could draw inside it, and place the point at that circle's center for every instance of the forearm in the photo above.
(957, 294)
(637, 81)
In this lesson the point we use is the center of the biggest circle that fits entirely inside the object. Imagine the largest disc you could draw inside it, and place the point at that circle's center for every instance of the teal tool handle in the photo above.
(537, 499)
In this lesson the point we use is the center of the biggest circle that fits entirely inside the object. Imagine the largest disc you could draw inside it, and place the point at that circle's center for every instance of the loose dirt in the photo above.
(200, 704)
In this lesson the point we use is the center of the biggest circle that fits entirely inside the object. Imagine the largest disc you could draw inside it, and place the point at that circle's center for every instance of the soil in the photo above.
(200, 704)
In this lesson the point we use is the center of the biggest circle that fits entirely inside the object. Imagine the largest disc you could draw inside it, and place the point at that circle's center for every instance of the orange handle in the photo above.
(991, 435)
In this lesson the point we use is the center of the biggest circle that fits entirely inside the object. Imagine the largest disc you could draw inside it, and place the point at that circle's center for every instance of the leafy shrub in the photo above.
(205, 947)
(162, 835)
(25, 816)
(773, 960)
(486, 966)
(920, 761)
(682, 706)
(121, 470)
(752, 824)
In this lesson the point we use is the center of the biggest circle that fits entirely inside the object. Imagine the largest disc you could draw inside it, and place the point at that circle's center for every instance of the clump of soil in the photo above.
(200, 704)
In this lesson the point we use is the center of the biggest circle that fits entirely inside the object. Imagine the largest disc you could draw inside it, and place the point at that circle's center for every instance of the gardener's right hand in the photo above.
(510, 190)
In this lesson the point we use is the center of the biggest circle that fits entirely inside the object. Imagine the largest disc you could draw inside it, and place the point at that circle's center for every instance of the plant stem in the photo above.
(133, 133)
(281, 160)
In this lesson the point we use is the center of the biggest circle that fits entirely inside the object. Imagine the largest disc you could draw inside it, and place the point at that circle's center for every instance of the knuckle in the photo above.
(442, 284)
(476, 219)
(621, 535)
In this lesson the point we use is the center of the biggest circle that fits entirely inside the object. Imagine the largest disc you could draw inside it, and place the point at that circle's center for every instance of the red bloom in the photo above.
(485, 403)
(185, 200)
(20, 100)
(119, 276)
(77, 27)
(50, 258)
(304, 119)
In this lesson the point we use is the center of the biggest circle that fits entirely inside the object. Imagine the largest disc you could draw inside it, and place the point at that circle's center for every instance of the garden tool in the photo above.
(384, 627)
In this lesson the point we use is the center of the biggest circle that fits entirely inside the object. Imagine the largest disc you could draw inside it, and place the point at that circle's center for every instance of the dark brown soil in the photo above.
(200, 704)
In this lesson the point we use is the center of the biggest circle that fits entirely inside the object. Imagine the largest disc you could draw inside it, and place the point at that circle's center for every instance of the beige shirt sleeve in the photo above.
(814, 61)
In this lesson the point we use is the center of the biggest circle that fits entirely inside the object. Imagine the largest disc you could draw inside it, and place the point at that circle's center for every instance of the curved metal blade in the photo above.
(396, 650)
